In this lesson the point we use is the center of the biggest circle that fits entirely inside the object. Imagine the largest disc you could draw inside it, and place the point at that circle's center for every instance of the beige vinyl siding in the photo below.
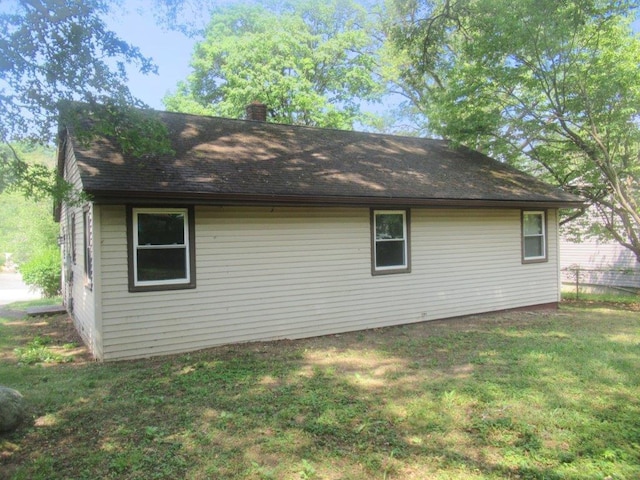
(84, 313)
(267, 273)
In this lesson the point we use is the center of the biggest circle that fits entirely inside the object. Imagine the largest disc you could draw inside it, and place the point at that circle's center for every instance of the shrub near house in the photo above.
(42, 272)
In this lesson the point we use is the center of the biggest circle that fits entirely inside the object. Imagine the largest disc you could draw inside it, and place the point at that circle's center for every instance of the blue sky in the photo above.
(171, 51)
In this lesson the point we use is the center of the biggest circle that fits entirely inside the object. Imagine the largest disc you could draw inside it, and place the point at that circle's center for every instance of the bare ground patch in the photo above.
(62, 337)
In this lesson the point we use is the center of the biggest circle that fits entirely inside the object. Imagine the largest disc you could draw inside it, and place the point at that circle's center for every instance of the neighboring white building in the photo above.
(598, 263)
(257, 231)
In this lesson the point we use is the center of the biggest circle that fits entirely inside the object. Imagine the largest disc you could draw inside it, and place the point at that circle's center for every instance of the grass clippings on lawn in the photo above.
(515, 395)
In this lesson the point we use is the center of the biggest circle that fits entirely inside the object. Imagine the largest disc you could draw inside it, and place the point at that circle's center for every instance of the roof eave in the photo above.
(141, 197)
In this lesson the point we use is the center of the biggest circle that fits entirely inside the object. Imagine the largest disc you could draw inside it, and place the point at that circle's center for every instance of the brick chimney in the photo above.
(256, 111)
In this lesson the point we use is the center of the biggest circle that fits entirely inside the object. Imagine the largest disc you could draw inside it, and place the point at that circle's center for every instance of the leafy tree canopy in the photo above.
(53, 51)
(310, 62)
(26, 223)
(552, 86)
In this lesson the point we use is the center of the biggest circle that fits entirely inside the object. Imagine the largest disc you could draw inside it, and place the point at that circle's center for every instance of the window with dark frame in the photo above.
(88, 246)
(534, 236)
(72, 229)
(390, 241)
(161, 250)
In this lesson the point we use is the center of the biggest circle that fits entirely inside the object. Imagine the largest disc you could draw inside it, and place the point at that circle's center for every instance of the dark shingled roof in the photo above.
(219, 160)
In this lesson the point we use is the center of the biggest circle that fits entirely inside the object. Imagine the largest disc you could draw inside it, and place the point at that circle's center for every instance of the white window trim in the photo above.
(137, 247)
(543, 215)
(405, 266)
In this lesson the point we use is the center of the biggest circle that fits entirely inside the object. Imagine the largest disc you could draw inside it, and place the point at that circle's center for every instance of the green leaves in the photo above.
(51, 51)
(135, 132)
(42, 271)
(552, 87)
(58, 50)
(310, 64)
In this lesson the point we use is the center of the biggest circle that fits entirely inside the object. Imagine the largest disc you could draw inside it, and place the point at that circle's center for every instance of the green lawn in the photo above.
(516, 395)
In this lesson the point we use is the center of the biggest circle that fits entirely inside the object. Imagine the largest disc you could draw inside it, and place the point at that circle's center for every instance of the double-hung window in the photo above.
(534, 236)
(390, 241)
(87, 225)
(161, 248)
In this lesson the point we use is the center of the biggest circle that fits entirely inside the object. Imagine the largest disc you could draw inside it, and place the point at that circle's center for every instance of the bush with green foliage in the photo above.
(43, 271)
(27, 225)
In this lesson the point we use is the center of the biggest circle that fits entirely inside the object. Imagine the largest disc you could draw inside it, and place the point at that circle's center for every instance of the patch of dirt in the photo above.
(14, 314)
(631, 306)
(59, 329)
(349, 351)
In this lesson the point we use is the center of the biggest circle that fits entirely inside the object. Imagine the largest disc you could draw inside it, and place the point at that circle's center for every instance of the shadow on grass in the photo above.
(487, 397)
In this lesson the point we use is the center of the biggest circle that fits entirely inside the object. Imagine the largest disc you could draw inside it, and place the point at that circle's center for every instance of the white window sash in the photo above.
(185, 246)
(381, 240)
(542, 235)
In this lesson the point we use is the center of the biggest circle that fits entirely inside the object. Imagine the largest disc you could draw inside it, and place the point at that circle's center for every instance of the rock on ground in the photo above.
(12, 409)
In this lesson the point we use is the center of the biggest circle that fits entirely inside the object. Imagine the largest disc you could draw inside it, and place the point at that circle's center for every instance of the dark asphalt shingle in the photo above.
(218, 158)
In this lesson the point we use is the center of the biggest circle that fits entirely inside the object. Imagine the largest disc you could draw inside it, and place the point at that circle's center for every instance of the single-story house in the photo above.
(257, 231)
